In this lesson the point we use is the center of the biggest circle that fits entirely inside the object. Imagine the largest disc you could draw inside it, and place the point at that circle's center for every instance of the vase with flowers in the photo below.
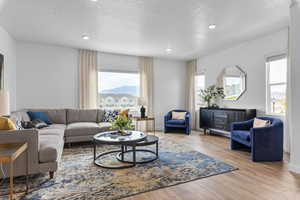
(212, 93)
(122, 123)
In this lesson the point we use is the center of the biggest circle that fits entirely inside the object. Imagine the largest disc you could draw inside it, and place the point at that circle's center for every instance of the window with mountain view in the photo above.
(118, 90)
(276, 84)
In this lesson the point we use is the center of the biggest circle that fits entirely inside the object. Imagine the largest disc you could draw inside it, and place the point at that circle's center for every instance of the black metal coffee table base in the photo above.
(149, 140)
(97, 158)
(119, 156)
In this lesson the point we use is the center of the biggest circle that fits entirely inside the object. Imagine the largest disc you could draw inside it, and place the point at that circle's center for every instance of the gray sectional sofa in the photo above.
(46, 144)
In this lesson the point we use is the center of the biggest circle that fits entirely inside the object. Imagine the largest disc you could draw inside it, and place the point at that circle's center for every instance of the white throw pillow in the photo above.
(178, 115)
(260, 123)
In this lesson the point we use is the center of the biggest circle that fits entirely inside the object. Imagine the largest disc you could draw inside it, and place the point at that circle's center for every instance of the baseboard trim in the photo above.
(294, 168)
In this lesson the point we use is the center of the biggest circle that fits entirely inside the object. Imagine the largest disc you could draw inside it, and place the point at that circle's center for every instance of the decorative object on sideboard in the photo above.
(1, 71)
(142, 103)
(4, 103)
(234, 81)
(212, 93)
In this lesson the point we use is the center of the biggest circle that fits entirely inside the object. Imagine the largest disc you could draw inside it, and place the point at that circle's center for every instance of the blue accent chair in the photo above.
(266, 143)
(178, 125)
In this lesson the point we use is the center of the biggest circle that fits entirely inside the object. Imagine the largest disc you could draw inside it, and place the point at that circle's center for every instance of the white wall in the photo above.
(251, 57)
(47, 76)
(8, 49)
(169, 88)
(294, 110)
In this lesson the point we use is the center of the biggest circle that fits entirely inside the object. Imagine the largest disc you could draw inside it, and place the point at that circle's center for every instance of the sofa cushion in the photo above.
(100, 117)
(40, 116)
(174, 122)
(82, 115)
(50, 147)
(82, 128)
(53, 129)
(57, 116)
(241, 135)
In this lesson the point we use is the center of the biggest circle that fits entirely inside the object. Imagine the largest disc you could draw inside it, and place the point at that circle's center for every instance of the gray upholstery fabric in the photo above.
(105, 125)
(32, 139)
(49, 148)
(82, 128)
(20, 116)
(100, 117)
(81, 115)
(57, 116)
(54, 129)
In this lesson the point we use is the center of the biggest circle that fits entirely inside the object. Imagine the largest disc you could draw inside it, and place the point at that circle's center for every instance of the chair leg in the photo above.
(51, 174)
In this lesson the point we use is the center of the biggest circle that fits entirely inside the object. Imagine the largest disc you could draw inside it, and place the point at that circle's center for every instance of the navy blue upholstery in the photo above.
(178, 125)
(266, 143)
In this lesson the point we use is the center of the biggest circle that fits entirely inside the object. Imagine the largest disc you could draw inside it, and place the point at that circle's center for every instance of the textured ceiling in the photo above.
(144, 27)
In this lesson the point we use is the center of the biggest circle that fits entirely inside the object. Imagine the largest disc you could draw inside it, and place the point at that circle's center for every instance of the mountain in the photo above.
(133, 90)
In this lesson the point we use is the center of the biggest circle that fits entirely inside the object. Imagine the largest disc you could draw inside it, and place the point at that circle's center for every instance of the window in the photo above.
(276, 84)
(118, 90)
(199, 85)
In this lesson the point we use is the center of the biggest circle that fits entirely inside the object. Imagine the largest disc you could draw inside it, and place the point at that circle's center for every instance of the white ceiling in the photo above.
(144, 27)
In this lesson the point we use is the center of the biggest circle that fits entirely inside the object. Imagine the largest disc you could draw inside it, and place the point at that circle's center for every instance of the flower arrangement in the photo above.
(122, 123)
(212, 93)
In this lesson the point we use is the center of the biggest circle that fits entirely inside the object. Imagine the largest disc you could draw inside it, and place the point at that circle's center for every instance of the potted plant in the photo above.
(212, 93)
(122, 123)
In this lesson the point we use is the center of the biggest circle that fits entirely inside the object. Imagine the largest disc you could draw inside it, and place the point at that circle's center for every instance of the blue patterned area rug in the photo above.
(78, 178)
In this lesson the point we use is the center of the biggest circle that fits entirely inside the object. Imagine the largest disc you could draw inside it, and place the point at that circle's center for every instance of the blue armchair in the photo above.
(178, 125)
(266, 143)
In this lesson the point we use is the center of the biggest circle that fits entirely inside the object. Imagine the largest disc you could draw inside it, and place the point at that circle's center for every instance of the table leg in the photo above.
(27, 173)
(122, 152)
(11, 181)
(156, 148)
(154, 126)
(134, 155)
(94, 145)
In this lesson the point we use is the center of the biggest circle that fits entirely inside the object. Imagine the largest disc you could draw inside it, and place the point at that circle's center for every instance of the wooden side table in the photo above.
(8, 154)
(146, 119)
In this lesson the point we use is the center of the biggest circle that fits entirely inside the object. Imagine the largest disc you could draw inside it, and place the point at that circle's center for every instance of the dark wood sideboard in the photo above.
(218, 120)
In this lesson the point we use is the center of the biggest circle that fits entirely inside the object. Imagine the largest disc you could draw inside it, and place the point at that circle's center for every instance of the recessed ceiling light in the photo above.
(85, 37)
(212, 26)
(94, 0)
(168, 50)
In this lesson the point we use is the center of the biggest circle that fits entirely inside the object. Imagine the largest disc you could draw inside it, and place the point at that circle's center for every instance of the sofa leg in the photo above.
(51, 174)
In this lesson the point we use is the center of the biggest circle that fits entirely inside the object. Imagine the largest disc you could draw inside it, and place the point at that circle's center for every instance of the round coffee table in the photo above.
(149, 140)
(114, 138)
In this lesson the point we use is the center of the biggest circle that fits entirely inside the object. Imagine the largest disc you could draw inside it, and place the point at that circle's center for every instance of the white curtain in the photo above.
(191, 73)
(287, 121)
(146, 83)
(88, 79)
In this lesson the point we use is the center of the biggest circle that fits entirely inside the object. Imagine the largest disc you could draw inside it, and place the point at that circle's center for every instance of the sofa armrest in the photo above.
(187, 118)
(17, 136)
(245, 125)
(267, 142)
(168, 116)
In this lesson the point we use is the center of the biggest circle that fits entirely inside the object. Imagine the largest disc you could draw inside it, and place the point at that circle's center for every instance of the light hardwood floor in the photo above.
(261, 181)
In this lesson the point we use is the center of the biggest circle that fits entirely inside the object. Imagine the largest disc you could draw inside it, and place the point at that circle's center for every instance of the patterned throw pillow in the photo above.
(38, 123)
(110, 115)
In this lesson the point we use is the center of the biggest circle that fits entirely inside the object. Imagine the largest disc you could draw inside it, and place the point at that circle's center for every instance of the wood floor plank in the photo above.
(253, 180)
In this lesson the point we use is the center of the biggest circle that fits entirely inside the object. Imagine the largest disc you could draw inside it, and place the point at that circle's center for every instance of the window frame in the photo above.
(202, 103)
(118, 71)
(269, 85)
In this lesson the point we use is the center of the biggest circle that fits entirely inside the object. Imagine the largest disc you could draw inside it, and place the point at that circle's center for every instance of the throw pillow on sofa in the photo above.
(258, 123)
(110, 115)
(38, 123)
(40, 115)
(7, 124)
(178, 115)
